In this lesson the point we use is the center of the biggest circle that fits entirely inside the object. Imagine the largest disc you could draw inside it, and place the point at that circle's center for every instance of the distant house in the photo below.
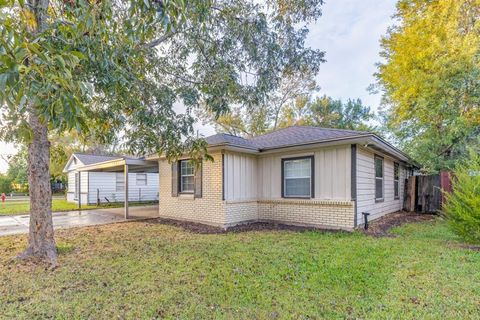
(90, 181)
(299, 175)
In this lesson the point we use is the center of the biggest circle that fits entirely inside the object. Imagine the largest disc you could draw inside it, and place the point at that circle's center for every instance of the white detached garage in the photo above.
(96, 179)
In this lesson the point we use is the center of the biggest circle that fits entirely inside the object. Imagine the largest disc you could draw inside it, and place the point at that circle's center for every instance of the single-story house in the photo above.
(96, 179)
(299, 175)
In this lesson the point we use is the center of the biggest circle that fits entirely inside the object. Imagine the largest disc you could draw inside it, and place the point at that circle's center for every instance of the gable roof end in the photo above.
(88, 159)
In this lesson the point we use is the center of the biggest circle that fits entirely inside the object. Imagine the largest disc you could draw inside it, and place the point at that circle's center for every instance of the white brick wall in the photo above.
(209, 209)
(319, 213)
(241, 211)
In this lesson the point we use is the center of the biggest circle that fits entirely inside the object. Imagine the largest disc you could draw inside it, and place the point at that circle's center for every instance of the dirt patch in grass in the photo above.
(470, 247)
(382, 226)
(254, 226)
(268, 226)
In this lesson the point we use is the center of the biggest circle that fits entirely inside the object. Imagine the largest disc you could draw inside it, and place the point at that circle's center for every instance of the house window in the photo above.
(186, 176)
(396, 179)
(378, 178)
(120, 182)
(297, 177)
(141, 179)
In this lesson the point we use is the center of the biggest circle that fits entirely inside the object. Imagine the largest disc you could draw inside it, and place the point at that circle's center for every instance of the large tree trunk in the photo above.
(41, 243)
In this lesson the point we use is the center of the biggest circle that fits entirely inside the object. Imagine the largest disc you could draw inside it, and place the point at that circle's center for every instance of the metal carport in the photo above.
(124, 165)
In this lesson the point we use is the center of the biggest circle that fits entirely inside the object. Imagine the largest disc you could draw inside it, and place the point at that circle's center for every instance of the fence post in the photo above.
(410, 194)
(445, 184)
(98, 197)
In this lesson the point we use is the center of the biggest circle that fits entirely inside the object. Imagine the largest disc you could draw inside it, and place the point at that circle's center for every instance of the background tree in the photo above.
(253, 120)
(293, 89)
(329, 113)
(62, 146)
(104, 67)
(5, 184)
(17, 171)
(431, 79)
(300, 110)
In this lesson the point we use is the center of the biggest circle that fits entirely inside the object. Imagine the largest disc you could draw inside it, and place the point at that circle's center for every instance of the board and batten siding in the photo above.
(366, 186)
(332, 173)
(240, 180)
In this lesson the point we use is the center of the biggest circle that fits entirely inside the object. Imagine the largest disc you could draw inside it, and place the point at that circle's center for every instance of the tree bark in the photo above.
(41, 242)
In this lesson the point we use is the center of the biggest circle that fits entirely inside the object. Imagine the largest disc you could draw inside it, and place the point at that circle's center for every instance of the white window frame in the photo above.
(310, 177)
(142, 182)
(396, 181)
(119, 183)
(382, 178)
(181, 176)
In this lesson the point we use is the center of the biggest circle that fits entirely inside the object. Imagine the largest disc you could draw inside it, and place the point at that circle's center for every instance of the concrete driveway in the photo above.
(73, 219)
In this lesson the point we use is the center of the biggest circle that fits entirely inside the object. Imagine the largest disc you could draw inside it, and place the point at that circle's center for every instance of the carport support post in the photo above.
(125, 171)
(79, 190)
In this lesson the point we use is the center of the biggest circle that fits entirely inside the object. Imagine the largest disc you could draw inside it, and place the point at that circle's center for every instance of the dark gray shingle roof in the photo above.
(87, 159)
(302, 135)
(294, 135)
(228, 139)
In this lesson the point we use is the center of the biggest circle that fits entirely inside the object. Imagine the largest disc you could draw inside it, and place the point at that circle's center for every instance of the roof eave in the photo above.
(113, 163)
(316, 142)
(394, 151)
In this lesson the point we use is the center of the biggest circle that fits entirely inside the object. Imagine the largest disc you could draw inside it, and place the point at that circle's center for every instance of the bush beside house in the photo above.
(462, 208)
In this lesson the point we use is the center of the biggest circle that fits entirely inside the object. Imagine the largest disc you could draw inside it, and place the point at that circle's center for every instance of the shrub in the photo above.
(462, 207)
(5, 184)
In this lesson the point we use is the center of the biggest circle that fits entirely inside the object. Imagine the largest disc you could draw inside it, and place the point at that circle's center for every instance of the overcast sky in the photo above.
(349, 32)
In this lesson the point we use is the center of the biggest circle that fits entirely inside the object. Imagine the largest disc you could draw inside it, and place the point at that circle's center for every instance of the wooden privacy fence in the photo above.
(424, 193)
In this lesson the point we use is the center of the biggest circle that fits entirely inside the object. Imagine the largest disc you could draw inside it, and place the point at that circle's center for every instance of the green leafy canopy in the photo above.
(293, 103)
(107, 68)
(431, 80)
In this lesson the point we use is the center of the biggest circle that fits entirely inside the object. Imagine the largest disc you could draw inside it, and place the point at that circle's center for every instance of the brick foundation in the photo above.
(317, 213)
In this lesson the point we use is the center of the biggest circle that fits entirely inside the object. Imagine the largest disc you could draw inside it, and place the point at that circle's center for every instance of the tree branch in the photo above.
(156, 42)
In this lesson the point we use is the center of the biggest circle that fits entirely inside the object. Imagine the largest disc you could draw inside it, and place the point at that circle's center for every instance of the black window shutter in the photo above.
(175, 179)
(198, 181)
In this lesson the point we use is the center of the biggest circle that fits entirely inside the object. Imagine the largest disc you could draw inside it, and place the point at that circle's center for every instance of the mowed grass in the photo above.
(23, 207)
(143, 270)
(19, 207)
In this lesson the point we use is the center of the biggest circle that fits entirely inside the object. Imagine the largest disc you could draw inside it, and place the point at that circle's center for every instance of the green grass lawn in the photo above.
(22, 207)
(142, 270)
